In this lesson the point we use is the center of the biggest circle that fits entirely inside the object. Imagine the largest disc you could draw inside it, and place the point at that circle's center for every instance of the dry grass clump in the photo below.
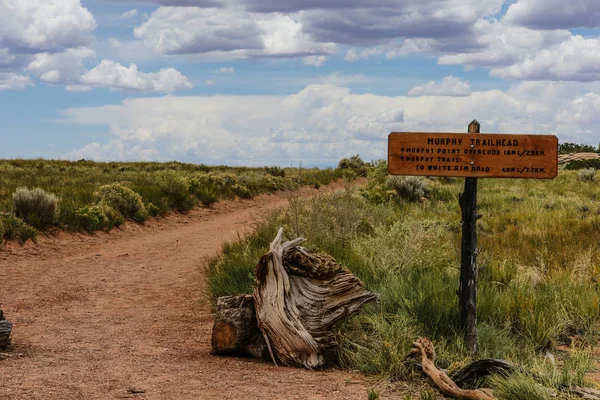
(587, 175)
(519, 386)
(35, 206)
(411, 188)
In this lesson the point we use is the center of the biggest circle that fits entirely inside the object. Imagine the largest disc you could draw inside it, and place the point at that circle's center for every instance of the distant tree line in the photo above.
(568, 148)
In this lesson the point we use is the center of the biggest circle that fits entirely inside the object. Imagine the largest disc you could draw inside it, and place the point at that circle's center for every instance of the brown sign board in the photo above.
(473, 155)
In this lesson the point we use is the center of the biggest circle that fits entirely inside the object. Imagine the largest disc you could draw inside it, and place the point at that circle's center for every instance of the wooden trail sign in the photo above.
(472, 155)
(475, 155)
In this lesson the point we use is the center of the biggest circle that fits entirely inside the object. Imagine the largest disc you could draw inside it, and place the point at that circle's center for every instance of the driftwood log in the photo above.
(298, 297)
(5, 330)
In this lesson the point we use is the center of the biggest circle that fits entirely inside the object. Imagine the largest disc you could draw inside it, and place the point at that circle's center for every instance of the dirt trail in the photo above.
(99, 316)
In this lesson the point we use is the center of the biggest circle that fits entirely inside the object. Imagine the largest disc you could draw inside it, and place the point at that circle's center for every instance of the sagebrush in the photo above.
(35, 206)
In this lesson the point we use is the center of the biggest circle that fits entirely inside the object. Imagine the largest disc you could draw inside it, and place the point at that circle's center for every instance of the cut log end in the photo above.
(225, 337)
(235, 331)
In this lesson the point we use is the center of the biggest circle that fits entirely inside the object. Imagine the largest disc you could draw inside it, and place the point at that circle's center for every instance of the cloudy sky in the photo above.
(256, 82)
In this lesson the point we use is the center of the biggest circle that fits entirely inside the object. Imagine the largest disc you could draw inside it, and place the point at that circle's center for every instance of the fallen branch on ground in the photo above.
(425, 349)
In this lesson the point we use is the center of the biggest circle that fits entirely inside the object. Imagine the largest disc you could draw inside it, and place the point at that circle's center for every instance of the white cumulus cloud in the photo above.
(52, 40)
(69, 68)
(322, 123)
(60, 68)
(576, 59)
(13, 81)
(315, 61)
(583, 110)
(44, 24)
(449, 86)
(109, 74)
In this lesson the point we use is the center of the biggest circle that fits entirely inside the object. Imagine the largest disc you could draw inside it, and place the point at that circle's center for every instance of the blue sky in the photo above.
(258, 82)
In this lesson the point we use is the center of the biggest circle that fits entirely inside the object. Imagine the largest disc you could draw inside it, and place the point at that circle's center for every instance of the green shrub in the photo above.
(35, 206)
(122, 199)
(355, 165)
(152, 209)
(115, 218)
(98, 217)
(378, 171)
(587, 175)
(260, 183)
(411, 188)
(207, 197)
(376, 191)
(92, 218)
(242, 191)
(176, 189)
(568, 148)
(580, 164)
(275, 171)
(205, 188)
(14, 228)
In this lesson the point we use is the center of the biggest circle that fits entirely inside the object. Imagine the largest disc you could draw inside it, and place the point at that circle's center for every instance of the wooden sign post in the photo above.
(472, 155)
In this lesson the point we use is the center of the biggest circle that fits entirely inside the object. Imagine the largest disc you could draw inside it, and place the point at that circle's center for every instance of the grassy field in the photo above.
(539, 295)
(88, 196)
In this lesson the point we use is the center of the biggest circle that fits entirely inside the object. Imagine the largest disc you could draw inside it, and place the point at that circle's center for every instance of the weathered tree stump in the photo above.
(298, 297)
(297, 306)
(5, 330)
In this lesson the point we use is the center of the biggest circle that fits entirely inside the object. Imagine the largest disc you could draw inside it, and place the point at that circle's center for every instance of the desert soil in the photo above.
(102, 316)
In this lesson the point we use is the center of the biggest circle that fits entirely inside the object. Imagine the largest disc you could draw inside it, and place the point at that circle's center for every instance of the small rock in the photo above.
(135, 390)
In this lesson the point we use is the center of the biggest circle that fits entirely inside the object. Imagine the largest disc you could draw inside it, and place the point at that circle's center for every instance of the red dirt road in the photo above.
(97, 317)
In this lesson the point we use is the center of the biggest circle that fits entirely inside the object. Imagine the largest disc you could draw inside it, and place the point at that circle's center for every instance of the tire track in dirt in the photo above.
(99, 315)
